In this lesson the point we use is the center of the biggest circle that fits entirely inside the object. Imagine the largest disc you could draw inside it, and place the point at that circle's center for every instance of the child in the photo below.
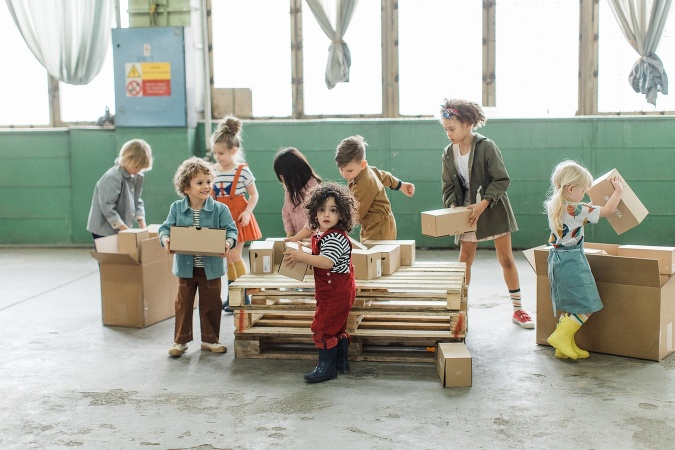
(573, 287)
(474, 176)
(233, 180)
(367, 183)
(193, 181)
(331, 211)
(117, 197)
(298, 177)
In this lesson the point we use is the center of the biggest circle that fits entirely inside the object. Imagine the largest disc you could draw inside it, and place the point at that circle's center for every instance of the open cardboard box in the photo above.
(135, 294)
(638, 305)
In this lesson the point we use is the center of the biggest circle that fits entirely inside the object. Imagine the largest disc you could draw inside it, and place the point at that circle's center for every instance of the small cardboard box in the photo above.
(135, 294)
(367, 264)
(638, 306)
(279, 248)
(630, 211)
(129, 240)
(298, 271)
(391, 257)
(261, 256)
(453, 362)
(665, 255)
(407, 249)
(446, 222)
(198, 241)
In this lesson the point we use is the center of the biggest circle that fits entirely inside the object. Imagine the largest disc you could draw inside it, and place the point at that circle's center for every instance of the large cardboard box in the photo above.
(261, 256)
(198, 241)
(453, 362)
(630, 211)
(638, 306)
(298, 271)
(129, 241)
(664, 255)
(446, 222)
(135, 294)
(367, 264)
(407, 249)
(390, 256)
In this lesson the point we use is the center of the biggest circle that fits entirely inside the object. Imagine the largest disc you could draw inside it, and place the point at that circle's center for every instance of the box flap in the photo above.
(611, 249)
(624, 270)
(151, 250)
(106, 244)
(114, 258)
(357, 244)
(529, 256)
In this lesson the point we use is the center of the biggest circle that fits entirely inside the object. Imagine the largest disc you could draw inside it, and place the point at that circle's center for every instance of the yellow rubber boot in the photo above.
(581, 354)
(563, 337)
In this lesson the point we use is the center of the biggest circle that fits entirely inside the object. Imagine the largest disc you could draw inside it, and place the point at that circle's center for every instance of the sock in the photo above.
(515, 299)
(579, 318)
(231, 272)
(240, 267)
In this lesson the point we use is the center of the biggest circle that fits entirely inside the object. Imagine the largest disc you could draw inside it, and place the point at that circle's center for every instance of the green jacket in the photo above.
(487, 173)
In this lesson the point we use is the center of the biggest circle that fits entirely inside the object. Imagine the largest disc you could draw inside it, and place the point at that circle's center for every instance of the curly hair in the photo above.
(347, 205)
(189, 169)
(465, 111)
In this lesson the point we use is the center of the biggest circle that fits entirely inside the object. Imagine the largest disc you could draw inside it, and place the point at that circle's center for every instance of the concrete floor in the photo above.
(67, 381)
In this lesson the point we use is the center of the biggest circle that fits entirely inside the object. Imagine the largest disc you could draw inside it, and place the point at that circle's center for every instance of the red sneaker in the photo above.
(523, 319)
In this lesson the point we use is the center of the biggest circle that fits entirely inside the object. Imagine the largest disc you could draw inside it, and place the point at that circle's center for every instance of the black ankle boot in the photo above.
(327, 369)
(343, 355)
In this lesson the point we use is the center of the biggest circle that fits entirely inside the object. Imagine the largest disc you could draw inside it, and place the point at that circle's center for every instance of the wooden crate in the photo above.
(399, 317)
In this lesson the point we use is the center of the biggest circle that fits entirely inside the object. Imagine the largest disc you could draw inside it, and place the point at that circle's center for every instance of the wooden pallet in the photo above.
(396, 317)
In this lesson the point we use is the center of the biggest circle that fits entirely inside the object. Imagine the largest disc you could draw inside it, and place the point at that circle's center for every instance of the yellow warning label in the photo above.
(133, 72)
(156, 71)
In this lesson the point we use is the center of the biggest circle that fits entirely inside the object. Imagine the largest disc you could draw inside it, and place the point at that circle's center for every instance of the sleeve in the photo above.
(333, 246)
(387, 179)
(448, 183)
(140, 205)
(246, 177)
(286, 213)
(109, 191)
(226, 222)
(497, 171)
(592, 212)
(165, 228)
(365, 192)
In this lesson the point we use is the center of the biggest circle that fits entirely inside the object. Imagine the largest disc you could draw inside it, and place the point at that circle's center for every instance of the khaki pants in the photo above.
(378, 227)
(210, 307)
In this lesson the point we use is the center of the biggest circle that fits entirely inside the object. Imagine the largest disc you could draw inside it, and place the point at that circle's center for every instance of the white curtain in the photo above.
(70, 38)
(339, 57)
(642, 22)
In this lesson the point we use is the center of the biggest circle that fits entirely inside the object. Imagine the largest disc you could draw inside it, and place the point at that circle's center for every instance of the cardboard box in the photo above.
(390, 256)
(129, 240)
(664, 255)
(153, 229)
(630, 211)
(298, 271)
(198, 241)
(407, 249)
(135, 294)
(261, 256)
(279, 248)
(453, 362)
(638, 306)
(367, 264)
(446, 222)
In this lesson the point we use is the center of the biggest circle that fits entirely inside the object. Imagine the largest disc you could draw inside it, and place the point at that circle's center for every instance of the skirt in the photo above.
(237, 205)
(573, 287)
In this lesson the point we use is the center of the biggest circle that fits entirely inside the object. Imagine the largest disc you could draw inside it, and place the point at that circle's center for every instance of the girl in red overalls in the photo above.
(331, 212)
(233, 180)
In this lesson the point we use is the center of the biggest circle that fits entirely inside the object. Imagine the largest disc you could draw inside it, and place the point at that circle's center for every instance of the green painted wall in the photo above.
(47, 176)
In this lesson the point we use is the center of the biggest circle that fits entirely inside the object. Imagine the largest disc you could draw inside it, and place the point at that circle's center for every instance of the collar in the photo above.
(184, 204)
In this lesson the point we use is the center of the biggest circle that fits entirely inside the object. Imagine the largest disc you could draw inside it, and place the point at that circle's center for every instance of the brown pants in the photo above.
(378, 227)
(210, 307)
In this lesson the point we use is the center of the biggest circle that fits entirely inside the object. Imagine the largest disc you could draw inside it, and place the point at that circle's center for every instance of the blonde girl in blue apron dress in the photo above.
(573, 287)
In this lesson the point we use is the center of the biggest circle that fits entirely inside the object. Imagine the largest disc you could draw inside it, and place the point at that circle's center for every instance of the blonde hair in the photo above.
(189, 169)
(566, 173)
(229, 133)
(136, 154)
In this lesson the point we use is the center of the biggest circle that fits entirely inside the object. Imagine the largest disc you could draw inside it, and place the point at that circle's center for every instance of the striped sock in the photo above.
(579, 318)
(240, 267)
(231, 272)
(515, 299)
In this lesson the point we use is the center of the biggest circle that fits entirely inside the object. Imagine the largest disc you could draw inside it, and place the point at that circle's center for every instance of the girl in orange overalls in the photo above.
(331, 212)
(233, 180)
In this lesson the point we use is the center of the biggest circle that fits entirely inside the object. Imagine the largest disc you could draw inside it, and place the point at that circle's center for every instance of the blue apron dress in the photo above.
(573, 287)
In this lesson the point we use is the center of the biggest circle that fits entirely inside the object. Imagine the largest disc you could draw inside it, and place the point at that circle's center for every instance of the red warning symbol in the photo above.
(134, 88)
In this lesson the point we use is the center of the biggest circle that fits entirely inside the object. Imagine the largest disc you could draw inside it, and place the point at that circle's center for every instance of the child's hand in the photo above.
(167, 246)
(244, 218)
(408, 189)
(617, 183)
(227, 250)
(292, 257)
(476, 210)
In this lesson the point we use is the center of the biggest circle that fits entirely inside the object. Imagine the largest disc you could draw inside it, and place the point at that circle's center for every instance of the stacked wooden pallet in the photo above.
(399, 317)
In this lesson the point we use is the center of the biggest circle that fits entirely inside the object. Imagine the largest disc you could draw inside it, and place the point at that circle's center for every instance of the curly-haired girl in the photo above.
(331, 212)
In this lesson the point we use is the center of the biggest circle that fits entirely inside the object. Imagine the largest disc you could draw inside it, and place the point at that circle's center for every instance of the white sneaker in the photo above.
(177, 349)
(216, 347)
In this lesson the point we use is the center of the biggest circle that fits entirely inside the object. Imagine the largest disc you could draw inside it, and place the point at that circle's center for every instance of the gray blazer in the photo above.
(487, 172)
(116, 201)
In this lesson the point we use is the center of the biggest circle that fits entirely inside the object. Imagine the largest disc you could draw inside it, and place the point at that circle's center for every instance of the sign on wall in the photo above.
(148, 79)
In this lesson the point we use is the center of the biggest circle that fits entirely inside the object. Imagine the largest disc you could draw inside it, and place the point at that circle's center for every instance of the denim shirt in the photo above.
(212, 215)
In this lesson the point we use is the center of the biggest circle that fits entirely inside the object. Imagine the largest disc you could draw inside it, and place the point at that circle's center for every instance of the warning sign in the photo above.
(148, 79)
